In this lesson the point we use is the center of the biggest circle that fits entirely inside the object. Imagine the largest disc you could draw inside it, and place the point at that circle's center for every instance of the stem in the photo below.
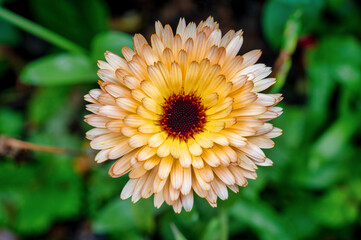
(289, 43)
(224, 223)
(7, 143)
(40, 32)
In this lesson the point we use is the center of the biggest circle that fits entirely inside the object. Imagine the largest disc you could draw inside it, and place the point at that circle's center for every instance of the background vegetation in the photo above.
(313, 191)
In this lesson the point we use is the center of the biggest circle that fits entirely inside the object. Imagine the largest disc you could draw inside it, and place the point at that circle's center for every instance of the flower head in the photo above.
(183, 114)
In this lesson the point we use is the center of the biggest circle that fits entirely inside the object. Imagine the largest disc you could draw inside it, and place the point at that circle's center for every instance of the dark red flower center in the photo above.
(183, 115)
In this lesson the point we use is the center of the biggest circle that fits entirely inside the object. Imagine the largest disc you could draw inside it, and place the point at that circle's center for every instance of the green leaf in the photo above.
(40, 194)
(59, 69)
(11, 122)
(143, 213)
(212, 231)
(261, 218)
(334, 60)
(8, 34)
(102, 188)
(109, 41)
(335, 209)
(177, 234)
(77, 20)
(46, 102)
(277, 12)
(115, 217)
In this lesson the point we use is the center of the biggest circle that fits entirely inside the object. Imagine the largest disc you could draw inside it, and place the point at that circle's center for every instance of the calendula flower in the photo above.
(183, 114)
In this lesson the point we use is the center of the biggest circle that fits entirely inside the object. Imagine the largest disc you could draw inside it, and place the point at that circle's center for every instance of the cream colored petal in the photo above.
(235, 139)
(215, 126)
(243, 100)
(150, 128)
(227, 38)
(249, 110)
(138, 42)
(220, 189)
(115, 61)
(143, 112)
(187, 201)
(147, 189)
(275, 132)
(191, 77)
(121, 166)
(138, 188)
(165, 166)
(167, 57)
(120, 149)
(234, 46)
(158, 184)
(145, 153)
(201, 192)
(107, 75)
(263, 84)
(211, 100)
(253, 150)
(157, 45)
(250, 58)
(168, 37)
(128, 131)
(187, 181)
(151, 90)
(127, 104)
(197, 162)
(160, 78)
(206, 173)
(203, 141)
(150, 56)
(116, 90)
(128, 53)
(177, 206)
(176, 175)
(164, 149)
(106, 141)
(159, 29)
(185, 157)
(181, 27)
(194, 148)
(225, 175)
(112, 112)
(135, 121)
(139, 140)
(102, 155)
(91, 134)
(157, 139)
(222, 114)
(266, 163)
(138, 95)
(175, 148)
(176, 78)
(151, 162)
(219, 138)
(262, 142)
(220, 106)
(128, 189)
(96, 121)
(210, 157)
(130, 82)
(238, 175)
(199, 184)
(158, 199)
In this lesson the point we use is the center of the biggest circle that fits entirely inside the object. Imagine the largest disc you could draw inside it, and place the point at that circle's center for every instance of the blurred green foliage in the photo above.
(312, 192)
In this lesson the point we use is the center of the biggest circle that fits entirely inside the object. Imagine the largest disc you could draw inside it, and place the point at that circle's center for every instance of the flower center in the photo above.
(183, 115)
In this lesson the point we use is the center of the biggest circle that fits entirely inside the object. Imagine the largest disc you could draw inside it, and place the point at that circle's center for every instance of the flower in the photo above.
(183, 114)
